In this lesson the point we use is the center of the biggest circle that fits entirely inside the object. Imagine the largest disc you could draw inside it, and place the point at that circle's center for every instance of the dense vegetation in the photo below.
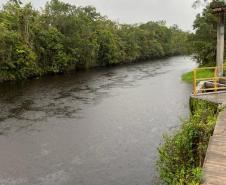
(182, 155)
(204, 40)
(62, 37)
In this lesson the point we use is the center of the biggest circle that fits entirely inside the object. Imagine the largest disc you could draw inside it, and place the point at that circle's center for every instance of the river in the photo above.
(100, 127)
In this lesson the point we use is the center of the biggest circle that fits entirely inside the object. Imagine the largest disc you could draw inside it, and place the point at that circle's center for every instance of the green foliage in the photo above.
(204, 41)
(50, 49)
(181, 156)
(62, 37)
(188, 77)
(108, 52)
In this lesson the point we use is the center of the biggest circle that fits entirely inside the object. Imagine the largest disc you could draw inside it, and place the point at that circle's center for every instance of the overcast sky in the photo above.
(178, 12)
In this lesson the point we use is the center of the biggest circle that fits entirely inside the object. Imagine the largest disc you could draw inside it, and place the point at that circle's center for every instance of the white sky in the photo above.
(178, 12)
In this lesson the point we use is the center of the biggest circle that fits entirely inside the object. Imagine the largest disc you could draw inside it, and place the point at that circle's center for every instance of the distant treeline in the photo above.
(63, 37)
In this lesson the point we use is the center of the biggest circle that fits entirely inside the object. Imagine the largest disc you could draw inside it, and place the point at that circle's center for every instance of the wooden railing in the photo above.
(214, 83)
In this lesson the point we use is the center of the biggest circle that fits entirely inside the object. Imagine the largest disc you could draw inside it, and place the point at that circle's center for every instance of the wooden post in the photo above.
(220, 43)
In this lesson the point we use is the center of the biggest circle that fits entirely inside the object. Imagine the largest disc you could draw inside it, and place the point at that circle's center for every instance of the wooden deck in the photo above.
(215, 162)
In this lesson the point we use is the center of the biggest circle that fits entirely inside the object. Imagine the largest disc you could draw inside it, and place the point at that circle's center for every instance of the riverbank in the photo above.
(90, 68)
(188, 77)
(214, 164)
(181, 156)
(195, 153)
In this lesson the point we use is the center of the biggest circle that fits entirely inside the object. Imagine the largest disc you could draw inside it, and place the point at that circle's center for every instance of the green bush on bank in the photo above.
(181, 156)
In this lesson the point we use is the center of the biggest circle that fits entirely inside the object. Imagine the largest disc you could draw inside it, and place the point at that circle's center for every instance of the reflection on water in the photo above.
(91, 128)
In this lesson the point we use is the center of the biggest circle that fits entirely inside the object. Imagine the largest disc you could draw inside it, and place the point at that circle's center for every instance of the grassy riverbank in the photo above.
(188, 77)
(182, 154)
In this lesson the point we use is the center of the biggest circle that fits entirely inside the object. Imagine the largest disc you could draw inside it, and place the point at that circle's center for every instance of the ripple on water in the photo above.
(55, 178)
(12, 181)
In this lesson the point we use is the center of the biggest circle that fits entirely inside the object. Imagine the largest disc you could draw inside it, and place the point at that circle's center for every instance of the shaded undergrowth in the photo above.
(182, 154)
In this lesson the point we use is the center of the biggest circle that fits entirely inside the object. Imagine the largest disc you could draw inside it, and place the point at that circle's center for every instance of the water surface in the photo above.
(100, 127)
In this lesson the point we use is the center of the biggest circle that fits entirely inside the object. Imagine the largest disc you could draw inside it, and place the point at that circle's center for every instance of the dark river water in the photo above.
(100, 127)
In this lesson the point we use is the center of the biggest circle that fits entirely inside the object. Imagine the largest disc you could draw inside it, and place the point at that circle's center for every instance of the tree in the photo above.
(17, 57)
(204, 40)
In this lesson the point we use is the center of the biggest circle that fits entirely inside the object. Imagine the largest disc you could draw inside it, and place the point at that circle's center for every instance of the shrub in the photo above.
(181, 156)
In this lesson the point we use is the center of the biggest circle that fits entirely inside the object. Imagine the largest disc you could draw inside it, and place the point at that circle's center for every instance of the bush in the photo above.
(181, 156)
